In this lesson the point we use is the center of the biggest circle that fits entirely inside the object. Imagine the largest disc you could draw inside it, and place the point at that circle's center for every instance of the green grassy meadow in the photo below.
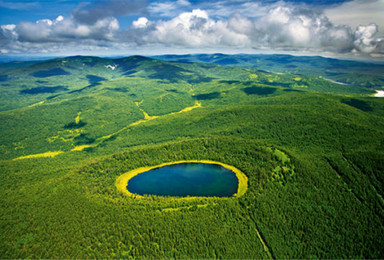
(312, 150)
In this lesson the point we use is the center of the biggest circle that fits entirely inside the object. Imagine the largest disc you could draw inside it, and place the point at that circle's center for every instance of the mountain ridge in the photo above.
(311, 149)
(73, 74)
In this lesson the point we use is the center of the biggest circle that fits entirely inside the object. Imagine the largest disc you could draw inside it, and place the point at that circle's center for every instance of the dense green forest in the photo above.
(312, 150)
(352, 72)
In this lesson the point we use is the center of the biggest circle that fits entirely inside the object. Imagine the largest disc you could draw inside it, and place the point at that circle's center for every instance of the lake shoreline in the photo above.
(122, 181)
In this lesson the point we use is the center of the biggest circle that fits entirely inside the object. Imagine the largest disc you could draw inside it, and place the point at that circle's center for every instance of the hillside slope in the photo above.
(312, 151)
(356, 73)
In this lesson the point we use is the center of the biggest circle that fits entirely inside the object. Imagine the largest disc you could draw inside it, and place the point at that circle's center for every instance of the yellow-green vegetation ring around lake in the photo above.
(122, 180)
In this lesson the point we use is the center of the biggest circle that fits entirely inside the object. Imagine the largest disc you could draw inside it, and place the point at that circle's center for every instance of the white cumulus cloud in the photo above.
(61, 29)
(196, 29)
(142, 22)
(357, 12)
(365, 40)
(277, 26)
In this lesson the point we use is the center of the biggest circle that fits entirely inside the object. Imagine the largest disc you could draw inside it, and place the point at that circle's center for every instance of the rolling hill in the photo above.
(311, 147)
(351, 72)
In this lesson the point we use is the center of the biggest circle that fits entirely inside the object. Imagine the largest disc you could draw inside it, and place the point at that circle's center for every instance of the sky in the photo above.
(332, 28)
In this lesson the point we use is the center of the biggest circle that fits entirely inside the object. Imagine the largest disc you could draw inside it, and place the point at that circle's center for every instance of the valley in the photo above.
(310, 147)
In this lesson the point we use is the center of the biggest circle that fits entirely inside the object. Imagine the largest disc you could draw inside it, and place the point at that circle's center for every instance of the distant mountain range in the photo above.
(363, 74)
(59, 78)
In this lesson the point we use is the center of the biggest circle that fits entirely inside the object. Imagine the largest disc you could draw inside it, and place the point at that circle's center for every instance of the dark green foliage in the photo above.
(291, 90)
(52, 97)
(311, 148)
(131, 63)
(129, 73)
(207, 96)
(4, 78)
(50, 73)
(259, 91)
(122, 90)
(74, 125)
(331, 74)
(228, 61)
(173, 90)
(93, 80)
(358, 103)
(41, 90)
(166, 71)
(280, 84)
(83, 139)
(230, 82)
(91, 63)
(199, 79)
(15, 64)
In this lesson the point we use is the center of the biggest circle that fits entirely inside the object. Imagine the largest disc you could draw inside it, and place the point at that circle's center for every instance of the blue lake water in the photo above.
(186, 179)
